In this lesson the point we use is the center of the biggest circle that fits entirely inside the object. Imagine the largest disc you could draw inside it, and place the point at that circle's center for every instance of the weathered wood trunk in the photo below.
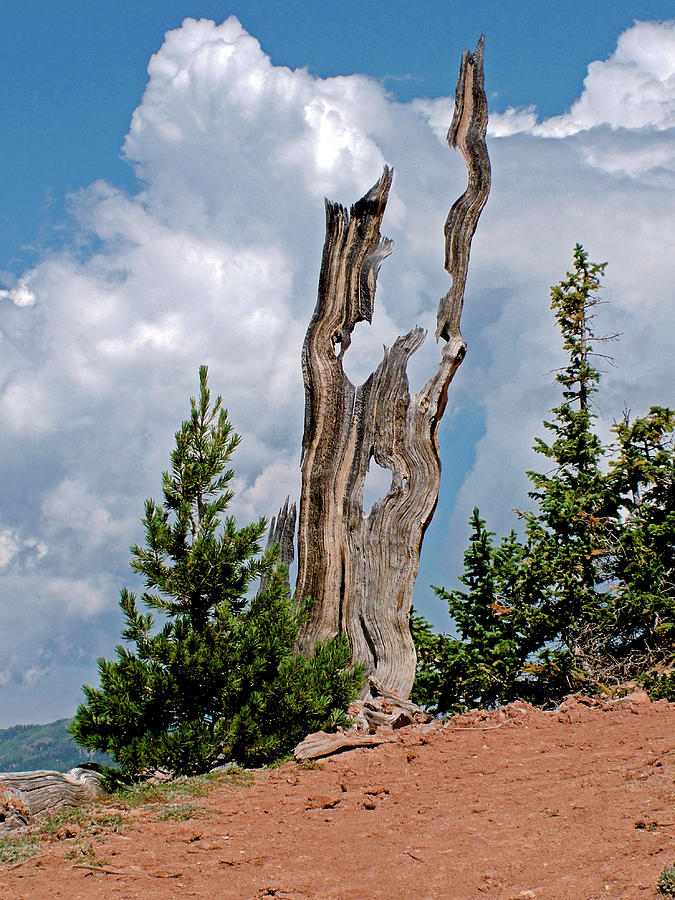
(25, 795)
(282, 533)
(360, 569)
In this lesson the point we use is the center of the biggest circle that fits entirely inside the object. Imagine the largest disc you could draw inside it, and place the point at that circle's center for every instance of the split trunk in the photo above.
(360, 569)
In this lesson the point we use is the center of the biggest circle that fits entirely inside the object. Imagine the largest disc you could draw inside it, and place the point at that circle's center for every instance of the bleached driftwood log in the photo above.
(25, 795)
(360, 569)
(321, 743)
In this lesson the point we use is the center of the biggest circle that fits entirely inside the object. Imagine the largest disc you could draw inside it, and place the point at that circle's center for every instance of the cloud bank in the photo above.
(215, 260)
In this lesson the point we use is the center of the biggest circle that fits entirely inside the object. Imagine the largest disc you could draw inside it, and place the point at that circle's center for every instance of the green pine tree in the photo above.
(601, 543)
(433, 688)
(640, 541)
(485, 665)
(217, 676)
(587, 601)
(562, 572)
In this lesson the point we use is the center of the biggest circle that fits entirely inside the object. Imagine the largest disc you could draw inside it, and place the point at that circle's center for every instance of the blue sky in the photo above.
(161, 213)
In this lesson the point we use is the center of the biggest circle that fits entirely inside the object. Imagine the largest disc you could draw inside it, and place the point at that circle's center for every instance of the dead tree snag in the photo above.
(360, 569)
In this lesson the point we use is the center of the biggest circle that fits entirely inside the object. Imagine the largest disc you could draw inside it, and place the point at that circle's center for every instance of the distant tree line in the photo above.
(27, 747)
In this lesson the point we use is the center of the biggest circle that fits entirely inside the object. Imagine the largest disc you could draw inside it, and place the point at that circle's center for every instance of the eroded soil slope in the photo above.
(576, 804)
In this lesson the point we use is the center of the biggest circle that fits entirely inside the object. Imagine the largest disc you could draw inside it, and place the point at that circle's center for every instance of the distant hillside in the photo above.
(27, 747)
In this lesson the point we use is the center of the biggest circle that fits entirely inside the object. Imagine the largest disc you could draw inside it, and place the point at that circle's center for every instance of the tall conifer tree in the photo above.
(587, 600)
(565, 532)
(216, 676)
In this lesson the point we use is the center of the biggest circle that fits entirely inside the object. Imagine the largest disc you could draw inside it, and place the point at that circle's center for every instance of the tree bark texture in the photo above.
(360, 569)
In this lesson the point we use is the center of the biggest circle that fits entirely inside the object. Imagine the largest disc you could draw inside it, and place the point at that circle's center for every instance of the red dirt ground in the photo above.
(515, 804)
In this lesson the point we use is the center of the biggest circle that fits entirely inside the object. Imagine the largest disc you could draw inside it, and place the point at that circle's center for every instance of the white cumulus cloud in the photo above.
(634, 88)
(20, 294)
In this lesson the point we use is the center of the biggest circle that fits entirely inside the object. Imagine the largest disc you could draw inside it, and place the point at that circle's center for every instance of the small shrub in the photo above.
(660, 687)
(133, 795)
(309, 765)
(140, 794)
(90, 819)
(17, 849)
(666, 883)
(89, 856)
(182, 811)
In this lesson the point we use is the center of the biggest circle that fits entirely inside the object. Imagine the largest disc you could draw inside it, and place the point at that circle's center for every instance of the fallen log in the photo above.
(25, 796)
(321, 744)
